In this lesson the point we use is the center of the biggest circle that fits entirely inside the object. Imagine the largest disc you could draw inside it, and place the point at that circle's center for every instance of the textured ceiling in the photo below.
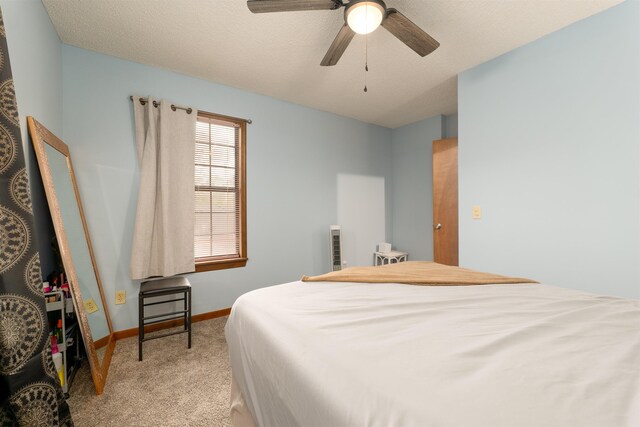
(278, 54)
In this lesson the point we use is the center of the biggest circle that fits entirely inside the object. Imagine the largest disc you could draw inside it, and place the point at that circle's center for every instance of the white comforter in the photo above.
(358, 354)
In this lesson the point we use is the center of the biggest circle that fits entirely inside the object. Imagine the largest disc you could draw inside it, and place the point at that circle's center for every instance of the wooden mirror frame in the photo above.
(41, 136)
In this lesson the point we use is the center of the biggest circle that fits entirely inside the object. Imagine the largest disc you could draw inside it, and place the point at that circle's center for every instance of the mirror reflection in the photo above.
(75, 249)
(78, 246)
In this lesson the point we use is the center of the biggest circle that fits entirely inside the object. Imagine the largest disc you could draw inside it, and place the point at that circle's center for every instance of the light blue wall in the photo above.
(36, 62)
(550, 149)
(294, 156)
(451, 126)
(412, 210)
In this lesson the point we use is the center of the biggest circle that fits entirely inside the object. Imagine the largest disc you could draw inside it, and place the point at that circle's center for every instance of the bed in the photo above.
(391, 354)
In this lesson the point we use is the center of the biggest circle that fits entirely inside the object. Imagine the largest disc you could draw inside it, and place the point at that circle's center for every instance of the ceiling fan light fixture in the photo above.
(364, 17)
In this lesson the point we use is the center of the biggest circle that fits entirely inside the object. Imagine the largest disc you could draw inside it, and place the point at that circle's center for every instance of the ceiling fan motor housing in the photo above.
(355, 2)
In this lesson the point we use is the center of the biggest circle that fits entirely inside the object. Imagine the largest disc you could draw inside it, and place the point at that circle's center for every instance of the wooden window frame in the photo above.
(226, 262)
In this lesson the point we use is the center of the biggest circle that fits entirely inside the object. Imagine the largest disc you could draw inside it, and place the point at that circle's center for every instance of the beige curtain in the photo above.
(163, 235)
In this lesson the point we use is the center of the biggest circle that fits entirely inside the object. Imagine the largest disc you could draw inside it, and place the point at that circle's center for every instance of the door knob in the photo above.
(437, 226)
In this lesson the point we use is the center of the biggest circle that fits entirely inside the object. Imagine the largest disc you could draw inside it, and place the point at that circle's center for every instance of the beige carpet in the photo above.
(172, 386)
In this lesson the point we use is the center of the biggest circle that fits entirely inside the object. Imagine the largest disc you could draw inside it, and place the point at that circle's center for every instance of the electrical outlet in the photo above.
(121, 297)
(90, 306)
(476, 212)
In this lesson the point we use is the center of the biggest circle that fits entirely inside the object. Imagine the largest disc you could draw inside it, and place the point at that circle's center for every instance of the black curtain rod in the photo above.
(175, 107)
(156, 104)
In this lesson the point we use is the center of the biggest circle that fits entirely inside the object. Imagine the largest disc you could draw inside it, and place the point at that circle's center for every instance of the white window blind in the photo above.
(217, 196)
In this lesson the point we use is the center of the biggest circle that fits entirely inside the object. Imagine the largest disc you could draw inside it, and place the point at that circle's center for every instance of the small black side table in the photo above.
(162, 287)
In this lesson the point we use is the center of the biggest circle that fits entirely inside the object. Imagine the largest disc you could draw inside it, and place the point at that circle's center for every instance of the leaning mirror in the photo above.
(75, 249)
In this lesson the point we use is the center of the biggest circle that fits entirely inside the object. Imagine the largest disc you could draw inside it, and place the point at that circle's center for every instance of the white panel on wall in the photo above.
(361, 213)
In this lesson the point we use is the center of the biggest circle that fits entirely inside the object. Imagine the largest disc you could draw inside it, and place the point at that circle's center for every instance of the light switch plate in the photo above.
(121, 297)
(476, 212)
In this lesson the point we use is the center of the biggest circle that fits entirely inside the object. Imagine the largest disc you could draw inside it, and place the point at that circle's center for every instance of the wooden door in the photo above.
(445, 201)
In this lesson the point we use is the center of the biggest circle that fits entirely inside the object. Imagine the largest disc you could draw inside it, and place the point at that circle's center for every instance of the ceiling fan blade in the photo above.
(409, 33)
(263, 6)
(338, 46)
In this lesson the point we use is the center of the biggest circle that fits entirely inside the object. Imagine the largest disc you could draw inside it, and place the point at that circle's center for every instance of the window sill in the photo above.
(220, 264)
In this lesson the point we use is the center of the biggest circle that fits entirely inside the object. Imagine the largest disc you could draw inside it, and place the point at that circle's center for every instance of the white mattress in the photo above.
(357, 354)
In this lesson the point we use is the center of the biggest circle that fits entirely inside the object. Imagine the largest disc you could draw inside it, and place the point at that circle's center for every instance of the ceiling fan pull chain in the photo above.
(366, 60)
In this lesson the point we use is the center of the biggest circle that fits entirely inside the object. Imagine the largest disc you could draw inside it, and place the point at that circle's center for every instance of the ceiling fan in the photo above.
(360, 16)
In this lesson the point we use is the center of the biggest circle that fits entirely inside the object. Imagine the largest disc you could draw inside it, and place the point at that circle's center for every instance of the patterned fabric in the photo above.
(30, 394)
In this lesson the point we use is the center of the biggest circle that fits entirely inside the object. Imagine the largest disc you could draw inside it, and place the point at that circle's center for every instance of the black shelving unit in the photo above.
(63, 309)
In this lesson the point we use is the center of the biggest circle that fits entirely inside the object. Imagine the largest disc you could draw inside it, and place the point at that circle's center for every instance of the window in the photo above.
(220, 196)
